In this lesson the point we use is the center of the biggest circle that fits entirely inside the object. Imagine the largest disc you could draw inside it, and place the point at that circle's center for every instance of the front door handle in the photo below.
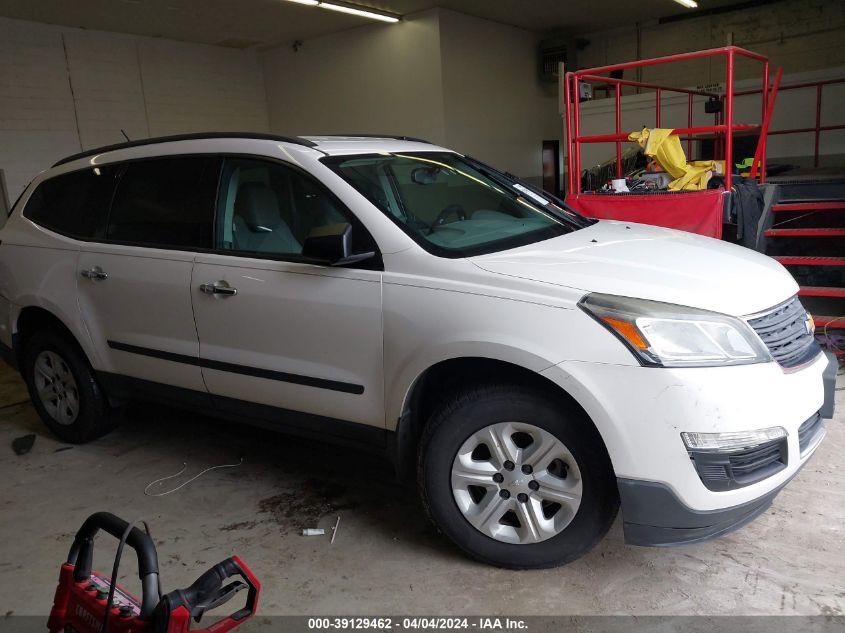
(95, 274)
(220, 288)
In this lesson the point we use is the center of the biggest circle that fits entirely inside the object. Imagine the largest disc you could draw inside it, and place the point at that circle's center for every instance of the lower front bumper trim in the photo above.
(654, 516)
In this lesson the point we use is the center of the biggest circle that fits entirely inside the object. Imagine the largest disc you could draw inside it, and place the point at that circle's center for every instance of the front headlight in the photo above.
(666, 335)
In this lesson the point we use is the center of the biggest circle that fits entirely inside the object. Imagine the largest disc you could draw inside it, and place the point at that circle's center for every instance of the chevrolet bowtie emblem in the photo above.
(809, 324)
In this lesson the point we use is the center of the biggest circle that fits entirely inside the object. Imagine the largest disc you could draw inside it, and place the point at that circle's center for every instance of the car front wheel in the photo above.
(515, 478)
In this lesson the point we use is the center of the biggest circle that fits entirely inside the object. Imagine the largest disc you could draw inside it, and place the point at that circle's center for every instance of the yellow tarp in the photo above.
(665, 147)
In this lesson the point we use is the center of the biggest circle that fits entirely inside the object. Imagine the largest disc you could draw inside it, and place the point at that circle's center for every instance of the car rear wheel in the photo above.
(515, 478)
(64, 390)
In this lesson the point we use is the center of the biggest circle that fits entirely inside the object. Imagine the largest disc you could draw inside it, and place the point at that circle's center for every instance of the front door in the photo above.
(135, 284)
(273, 329)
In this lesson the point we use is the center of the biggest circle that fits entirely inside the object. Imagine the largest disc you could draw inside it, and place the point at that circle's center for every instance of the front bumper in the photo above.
(654, 516)
(641, 412)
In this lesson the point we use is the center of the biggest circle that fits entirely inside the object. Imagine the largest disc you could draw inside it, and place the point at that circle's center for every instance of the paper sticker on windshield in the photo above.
(535, 197)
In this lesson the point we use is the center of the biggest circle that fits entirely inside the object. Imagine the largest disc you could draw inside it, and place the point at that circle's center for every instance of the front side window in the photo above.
(454, 206)
(165, 202)
(73, 204)
(267, 208)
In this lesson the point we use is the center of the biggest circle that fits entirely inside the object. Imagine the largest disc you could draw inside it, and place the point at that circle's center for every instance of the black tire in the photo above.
(462, 415)
(95, 417)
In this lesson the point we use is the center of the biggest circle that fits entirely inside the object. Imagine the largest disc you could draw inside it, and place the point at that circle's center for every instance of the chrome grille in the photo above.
(784, 331)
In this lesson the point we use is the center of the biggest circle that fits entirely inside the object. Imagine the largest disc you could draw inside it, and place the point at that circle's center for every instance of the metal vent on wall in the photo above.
(549, 60)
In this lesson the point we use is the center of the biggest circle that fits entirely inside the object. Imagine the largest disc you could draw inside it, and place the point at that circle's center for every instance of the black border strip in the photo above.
(297, 379)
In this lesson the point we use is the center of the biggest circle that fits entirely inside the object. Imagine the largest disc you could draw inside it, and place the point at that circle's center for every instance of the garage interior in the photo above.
(482, 78)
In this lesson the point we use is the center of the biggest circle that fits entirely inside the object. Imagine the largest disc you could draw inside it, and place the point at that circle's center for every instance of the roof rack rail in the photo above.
(391, 136)
(186, 137)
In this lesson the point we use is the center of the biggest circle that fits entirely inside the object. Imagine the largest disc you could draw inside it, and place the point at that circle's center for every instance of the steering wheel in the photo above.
(457, 209)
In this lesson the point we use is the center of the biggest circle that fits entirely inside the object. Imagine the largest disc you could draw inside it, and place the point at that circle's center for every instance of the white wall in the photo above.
(463, 82)
(379, 79)
(496, 109)
(63, 89)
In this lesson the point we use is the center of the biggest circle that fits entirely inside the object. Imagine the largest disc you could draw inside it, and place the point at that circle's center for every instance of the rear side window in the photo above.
(166, 202)
(73, 204)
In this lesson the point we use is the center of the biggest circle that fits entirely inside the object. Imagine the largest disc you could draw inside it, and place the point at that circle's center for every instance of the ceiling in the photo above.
(264, 23)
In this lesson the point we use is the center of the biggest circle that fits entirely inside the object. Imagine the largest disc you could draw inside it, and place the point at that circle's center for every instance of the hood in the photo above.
(649, 262)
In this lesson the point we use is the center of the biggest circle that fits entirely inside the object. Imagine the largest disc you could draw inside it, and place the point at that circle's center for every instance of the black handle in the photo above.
(206, 588)
(82, 554)
(208, 592)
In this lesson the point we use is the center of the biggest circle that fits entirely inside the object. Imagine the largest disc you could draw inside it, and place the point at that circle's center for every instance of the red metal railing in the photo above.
(724, 126)
(818, 128)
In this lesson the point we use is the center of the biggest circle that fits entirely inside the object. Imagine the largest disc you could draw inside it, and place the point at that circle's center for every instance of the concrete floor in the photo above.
(386, 559)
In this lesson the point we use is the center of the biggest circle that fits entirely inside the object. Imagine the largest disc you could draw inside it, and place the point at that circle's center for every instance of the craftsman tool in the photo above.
(90, 602)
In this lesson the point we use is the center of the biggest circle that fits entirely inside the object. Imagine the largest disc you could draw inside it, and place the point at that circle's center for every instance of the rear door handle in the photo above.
(95, 274)
(220, 288)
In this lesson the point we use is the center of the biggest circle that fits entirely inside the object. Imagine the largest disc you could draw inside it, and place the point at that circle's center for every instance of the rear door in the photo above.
(278, 331)
(134, 284)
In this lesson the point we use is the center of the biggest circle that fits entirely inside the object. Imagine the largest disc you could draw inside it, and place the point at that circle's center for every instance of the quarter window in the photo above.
(165, 202)
(73, 204)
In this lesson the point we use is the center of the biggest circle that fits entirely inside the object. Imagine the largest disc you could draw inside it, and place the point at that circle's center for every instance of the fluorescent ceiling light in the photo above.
(352, 9)
(689, 4)
(364, 13)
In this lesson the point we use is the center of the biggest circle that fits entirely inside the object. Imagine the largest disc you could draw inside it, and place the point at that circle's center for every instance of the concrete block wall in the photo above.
(460, 81)
(495, 107)
(377, 79)
(64, 89)
(800, 35)
(37, 121)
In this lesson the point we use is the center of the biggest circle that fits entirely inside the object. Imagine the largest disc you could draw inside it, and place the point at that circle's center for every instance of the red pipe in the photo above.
(729, 118)
(640, 84)
(760, 154)
(568, 119)
(576, 97)
(681, 131)
(763, 139)
(712, 52)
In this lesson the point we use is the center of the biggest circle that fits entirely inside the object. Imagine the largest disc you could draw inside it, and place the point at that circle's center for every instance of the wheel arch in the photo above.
(34, 318)
(453, 374)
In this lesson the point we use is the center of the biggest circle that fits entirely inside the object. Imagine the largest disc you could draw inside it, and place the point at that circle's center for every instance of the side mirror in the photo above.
(332, 245)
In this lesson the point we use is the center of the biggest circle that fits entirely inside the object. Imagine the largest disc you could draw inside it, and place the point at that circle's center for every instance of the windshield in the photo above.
(455, 206)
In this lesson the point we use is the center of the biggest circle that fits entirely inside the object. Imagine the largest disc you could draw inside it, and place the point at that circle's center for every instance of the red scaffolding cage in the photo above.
(723, 128)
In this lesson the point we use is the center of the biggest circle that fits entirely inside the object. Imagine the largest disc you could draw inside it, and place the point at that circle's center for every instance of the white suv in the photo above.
(534, 367)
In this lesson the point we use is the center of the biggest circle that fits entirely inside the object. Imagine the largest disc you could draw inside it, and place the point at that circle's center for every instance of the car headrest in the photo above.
(258, 205)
